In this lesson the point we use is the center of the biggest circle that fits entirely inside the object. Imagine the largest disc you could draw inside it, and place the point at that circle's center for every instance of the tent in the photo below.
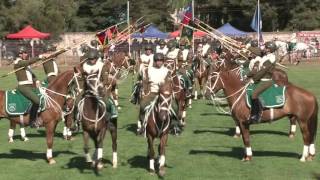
(229, 30)
(28, 33)
(151, 32)
(197, 34)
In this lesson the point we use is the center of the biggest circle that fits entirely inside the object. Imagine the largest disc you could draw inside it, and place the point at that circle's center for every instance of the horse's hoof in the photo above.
(190, 107)
(70, 138)
(162, 172)
(310, 157)
(236, 136)
(51, 161)
(100, 166)
(247, 159)
(291, 135)
(10, 140)
(119, 108)
(25, 139)
(152, 171)
(302, 159)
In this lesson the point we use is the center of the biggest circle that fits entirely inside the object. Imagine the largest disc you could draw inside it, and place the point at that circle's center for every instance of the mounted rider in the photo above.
(261, 74)
(146, 60)
(50, 66)
(185, 66)
(26, 79)
(172, 55)
(94, 66)
(152, 77)
(162, 47)
(206, 51)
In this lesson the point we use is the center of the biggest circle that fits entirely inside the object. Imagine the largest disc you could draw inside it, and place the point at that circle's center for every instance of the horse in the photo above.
(201, 75)
(157, 125)
(278, 75)
(55, 95)
(300, 105)
(95, 121)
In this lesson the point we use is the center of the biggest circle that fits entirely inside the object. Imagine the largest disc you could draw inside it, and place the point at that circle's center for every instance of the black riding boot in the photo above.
(34, 116)
(255, 112)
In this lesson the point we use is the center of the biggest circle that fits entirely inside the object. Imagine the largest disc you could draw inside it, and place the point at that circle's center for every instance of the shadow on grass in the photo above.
(130, 127)
(229, 132)
(214, 114)
(237, 153)
(138, 162)
(29, 155)
(80, 163)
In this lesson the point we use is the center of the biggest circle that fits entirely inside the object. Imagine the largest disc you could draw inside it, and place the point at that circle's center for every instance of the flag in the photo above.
(187, 15)
(256, 23)
(102, 37)
(187, 32)
(112, 32)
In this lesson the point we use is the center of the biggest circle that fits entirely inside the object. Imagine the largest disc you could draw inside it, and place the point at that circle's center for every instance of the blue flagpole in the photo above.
(258, 23)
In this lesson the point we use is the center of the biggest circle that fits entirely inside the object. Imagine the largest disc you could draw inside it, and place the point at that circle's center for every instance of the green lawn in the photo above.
(205, 150)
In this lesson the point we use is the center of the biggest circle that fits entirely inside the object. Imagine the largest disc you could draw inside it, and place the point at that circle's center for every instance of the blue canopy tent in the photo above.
(151, 32)
(229, 30)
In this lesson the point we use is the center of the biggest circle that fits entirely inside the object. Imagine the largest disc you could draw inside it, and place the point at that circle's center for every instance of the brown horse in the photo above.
(95, 120)
(56, 94)
(157, 125)
(201, 75)
(300, 104)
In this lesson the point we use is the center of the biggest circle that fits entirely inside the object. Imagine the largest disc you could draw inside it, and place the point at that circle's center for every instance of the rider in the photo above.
(95, 65)
(146, 60)
(50, 66)
(162, 48)
(206, 50)
(154, 75)
(26, 78)
(262, 77)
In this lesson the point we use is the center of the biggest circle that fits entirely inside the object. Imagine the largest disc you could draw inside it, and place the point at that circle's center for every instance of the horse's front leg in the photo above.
(99, 148)
(293, 126)
(86, 146)
(246, 140)
(162, 152)
(151, 154)
(113, 132)
(50, 129)
(237, 133)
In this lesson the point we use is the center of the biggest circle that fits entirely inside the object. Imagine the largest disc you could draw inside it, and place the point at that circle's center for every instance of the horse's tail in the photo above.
(313, 122)
(2, 104)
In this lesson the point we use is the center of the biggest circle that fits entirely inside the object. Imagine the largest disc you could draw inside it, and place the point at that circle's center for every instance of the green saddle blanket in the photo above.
(272, 97)
(17, 104)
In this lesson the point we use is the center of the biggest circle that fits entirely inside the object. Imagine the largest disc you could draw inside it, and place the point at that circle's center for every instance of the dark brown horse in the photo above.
(95, 120)
(300, 104)
(55, 95)
(157, 125)
(201, 75)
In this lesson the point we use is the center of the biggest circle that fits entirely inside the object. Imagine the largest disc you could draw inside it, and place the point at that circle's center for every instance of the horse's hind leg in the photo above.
(86, 146)
(306, 139)
(151, 154)
(22, 130)
(11, 131)
(293, 126)
(113, 133)
(162, 159)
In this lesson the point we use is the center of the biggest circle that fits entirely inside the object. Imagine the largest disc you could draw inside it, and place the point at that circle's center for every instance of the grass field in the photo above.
(205, 150)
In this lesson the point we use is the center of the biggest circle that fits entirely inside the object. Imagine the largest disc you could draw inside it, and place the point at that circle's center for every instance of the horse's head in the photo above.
(165, 98)
(93, 85)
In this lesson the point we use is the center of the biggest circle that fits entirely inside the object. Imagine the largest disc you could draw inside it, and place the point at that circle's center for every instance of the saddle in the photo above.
(17, 104)
(273, 97)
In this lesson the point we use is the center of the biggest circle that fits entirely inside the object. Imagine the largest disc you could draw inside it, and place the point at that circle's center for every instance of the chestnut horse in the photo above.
(55, 95)
(201, 75)
(278, 75)
(300, 104)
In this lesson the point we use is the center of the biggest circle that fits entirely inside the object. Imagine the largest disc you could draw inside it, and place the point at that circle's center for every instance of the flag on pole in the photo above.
(256, 23)
(187, 16)
(102, 37)
(186, 33)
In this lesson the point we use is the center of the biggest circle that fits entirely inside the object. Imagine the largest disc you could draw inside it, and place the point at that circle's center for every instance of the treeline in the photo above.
(58, 16)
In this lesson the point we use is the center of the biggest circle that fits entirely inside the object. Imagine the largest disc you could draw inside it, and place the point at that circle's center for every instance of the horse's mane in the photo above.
(60, 78)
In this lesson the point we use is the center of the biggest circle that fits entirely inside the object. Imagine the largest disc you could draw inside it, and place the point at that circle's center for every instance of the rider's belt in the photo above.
(265, 79)
(25, 82)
